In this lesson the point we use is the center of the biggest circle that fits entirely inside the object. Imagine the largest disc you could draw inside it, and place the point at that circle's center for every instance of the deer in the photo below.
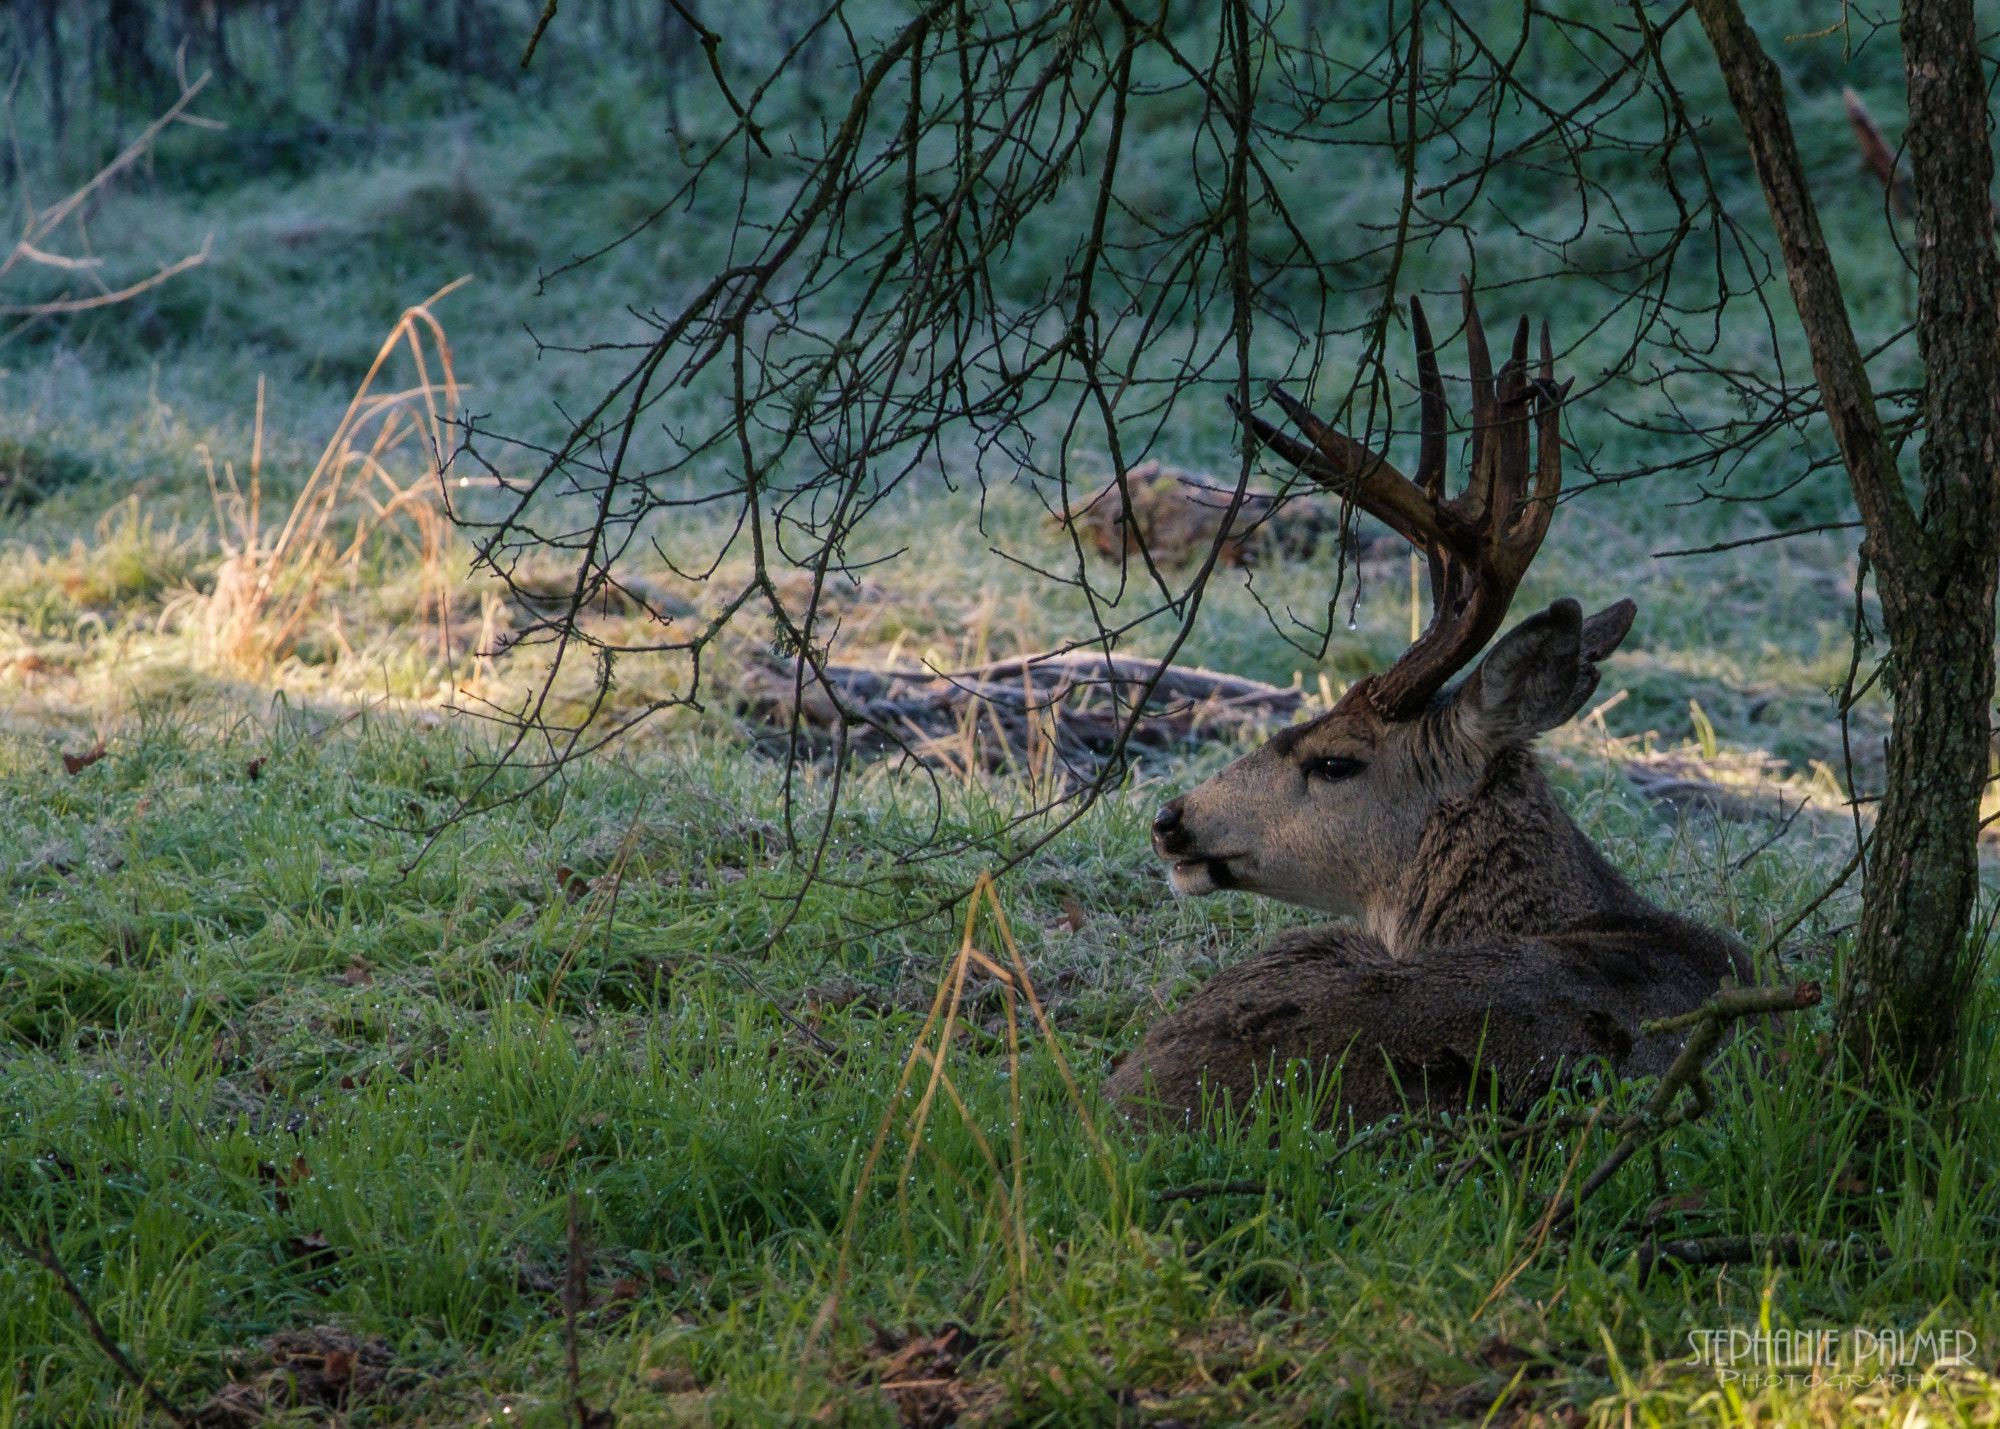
(1488, 948)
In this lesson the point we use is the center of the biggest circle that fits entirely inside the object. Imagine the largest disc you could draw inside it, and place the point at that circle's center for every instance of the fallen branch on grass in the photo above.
(1038, 715)
(1659, 1115)
(1747, 1250)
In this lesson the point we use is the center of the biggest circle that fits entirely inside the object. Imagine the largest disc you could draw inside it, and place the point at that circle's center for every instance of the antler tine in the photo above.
(1541, 505)
(1305, 457)
(1482, 569)
(1430, 389)
(1299, 412)
(1480, 542)
(1430, 452)
(1480, 364)
(1355, 473)
(1510, 474)
(1298, 453)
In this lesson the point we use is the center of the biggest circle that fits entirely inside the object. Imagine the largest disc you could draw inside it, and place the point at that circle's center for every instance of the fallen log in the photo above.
(1748, 1250)
(1059, 712)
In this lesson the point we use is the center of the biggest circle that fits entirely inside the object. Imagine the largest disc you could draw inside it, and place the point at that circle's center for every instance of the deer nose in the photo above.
(1170, 835)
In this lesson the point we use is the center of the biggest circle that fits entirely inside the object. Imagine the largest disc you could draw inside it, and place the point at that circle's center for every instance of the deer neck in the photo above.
(1502, 858)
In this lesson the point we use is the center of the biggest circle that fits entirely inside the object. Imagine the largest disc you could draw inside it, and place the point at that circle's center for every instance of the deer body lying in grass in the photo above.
(1490, 942)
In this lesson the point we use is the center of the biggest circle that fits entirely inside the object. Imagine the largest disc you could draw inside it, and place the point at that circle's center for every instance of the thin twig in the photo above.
(1658, 1117)
(744, 976)
(1387, 1131)
(548, 14)
(1848, 695)
(1732, 1004)
(711, 44)
(1759, 540)
(1784, 827)
(58, 306)
(1839, 881)
(44, 1255)
(576, 1289)
(573, 1283)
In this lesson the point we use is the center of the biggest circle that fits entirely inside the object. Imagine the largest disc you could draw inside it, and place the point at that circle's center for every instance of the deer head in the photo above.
(1330, 814)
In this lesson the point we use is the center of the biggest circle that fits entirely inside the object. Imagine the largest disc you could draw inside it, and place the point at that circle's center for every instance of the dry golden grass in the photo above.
(378, 480)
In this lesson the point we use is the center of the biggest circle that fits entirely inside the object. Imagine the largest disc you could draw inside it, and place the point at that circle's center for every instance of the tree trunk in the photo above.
(1936, 569)
(1901, 1006)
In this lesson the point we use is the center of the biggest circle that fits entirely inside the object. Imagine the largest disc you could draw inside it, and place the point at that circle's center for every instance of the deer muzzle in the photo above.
(1194, 871)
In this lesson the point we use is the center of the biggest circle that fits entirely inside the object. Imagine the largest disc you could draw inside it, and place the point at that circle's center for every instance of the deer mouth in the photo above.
(1195, 876)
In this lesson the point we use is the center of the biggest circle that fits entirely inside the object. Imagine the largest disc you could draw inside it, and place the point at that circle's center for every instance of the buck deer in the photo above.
(1489, 938)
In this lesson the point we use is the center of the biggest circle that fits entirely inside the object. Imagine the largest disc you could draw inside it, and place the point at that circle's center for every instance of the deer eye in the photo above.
(1334, 767)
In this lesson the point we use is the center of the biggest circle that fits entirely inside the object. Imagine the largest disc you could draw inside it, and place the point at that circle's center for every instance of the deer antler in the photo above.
(1480, 542)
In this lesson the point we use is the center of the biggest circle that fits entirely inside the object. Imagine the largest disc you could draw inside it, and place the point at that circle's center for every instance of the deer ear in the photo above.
(1601, 635)
(1534, 678)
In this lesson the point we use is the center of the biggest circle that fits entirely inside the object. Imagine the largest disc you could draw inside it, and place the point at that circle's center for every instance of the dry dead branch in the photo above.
(1041, 715)
(1748, 1250)
(1876, 154)
(1659, 1115)
(40, 226)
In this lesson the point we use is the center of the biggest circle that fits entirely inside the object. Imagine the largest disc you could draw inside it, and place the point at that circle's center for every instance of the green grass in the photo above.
(280, 1075)
(261, 1076)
